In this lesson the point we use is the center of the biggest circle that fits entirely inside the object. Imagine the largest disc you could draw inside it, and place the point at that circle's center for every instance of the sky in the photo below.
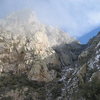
(77, 17)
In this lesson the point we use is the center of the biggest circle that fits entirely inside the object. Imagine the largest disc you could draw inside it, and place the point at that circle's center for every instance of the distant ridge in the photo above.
(84, 39)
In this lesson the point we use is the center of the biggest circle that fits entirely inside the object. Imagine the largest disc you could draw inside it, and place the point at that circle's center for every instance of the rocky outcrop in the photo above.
(22, 54)
(39, 62)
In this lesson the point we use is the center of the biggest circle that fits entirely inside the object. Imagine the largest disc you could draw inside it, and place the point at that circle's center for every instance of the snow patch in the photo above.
(97, 58)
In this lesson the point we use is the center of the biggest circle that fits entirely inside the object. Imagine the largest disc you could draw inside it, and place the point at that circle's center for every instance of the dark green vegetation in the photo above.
(90, 90)
(9, 82)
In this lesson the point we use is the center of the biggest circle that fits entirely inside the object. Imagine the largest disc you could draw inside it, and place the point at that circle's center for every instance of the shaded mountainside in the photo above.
(39, 62)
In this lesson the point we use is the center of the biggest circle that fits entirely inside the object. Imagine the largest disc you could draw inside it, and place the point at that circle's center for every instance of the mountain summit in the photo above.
(26, 22)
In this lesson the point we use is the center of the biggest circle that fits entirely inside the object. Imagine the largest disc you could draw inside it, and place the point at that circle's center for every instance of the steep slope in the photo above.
(39, 62)
(89, 59)
(28, 57)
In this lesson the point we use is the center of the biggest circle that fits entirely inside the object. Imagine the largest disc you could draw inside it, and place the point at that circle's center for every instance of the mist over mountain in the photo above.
(40, 62)
(77, 17)
(26, 22)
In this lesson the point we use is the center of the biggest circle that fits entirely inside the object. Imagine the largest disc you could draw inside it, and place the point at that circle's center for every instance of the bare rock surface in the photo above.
(39, 62)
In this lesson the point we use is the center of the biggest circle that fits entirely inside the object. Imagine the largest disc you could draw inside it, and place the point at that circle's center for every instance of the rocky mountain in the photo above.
(39, 62)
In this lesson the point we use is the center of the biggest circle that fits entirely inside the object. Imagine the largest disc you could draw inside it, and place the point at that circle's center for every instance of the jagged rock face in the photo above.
(20, 52)
(29, 46)
(28, 53)
(39, 62)
(89, 72)
(82, 78)
(91, 54)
